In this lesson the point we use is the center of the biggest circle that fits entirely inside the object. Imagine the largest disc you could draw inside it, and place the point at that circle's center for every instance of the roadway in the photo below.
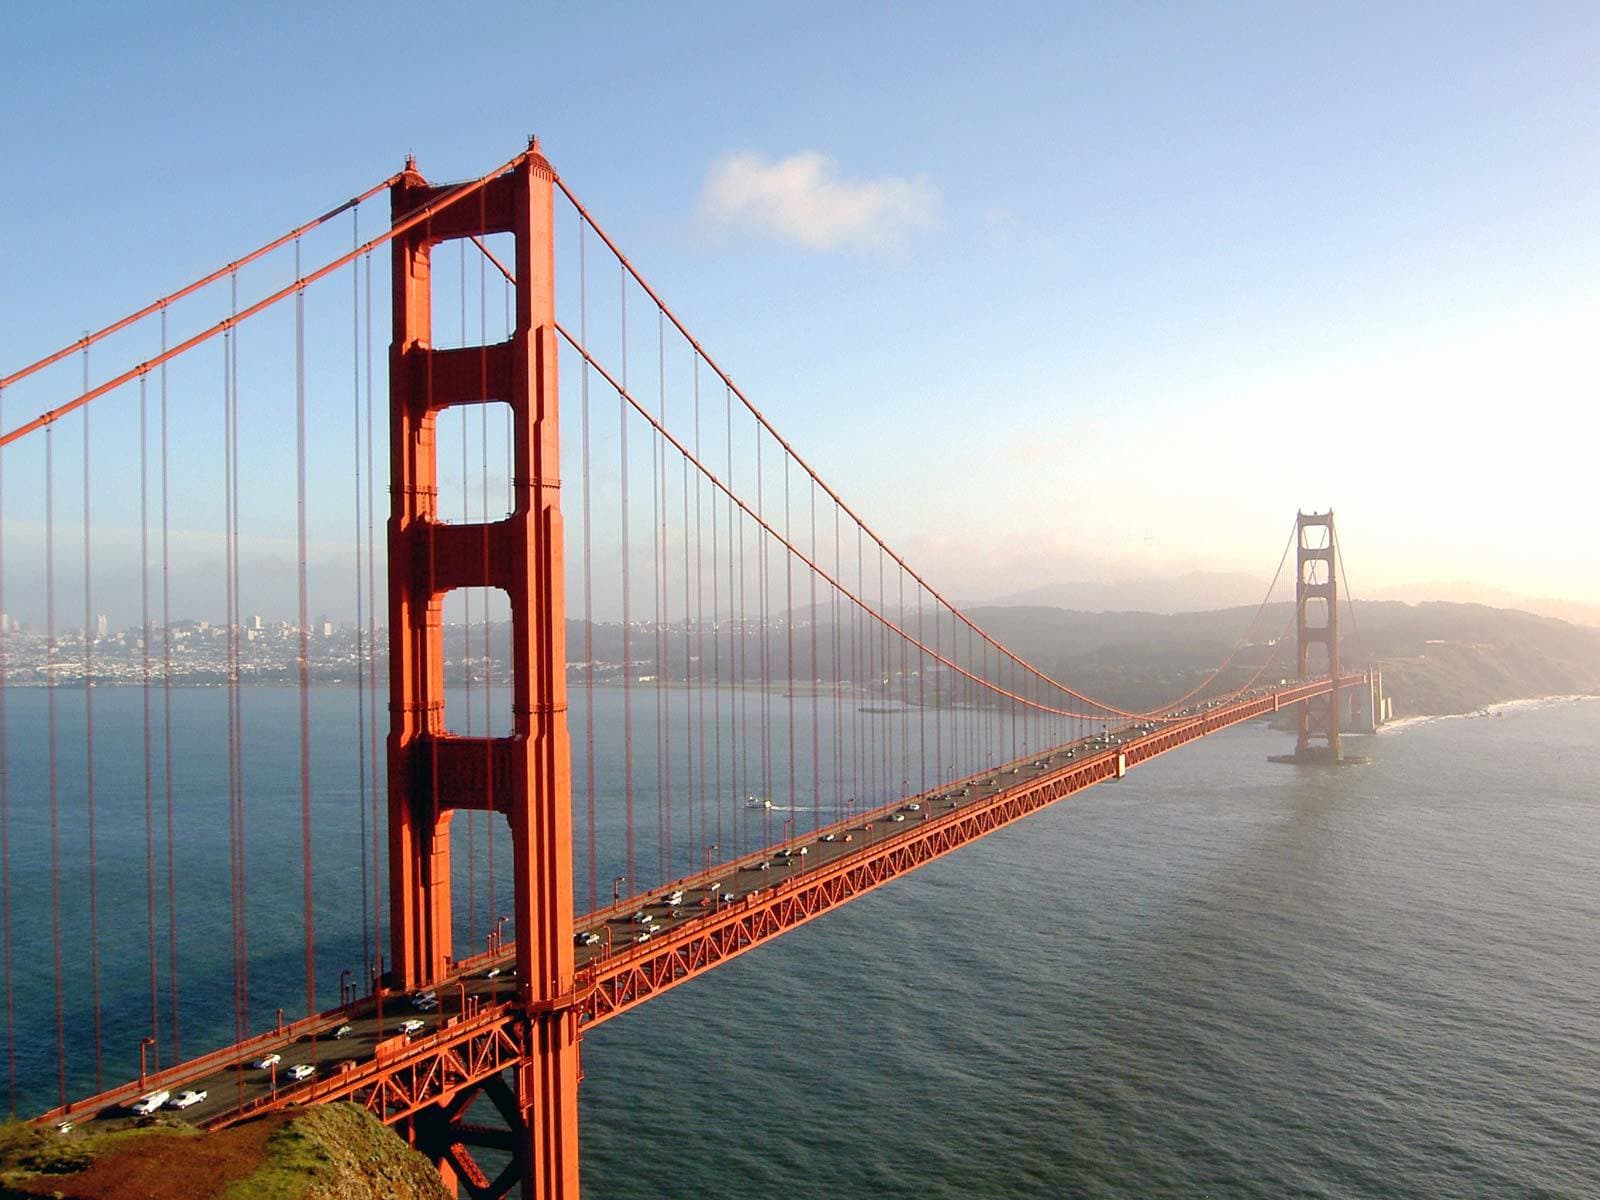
(232, 1081)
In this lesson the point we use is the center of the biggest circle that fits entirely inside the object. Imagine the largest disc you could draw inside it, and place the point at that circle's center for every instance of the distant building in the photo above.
(101, 626)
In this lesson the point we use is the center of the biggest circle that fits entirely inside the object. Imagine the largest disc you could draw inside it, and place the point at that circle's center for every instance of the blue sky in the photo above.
(1119, 287)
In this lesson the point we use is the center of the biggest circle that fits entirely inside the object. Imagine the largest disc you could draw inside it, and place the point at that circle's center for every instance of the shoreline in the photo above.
(1497, 709)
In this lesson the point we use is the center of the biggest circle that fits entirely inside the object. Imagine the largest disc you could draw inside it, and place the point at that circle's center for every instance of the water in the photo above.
(1218, 977)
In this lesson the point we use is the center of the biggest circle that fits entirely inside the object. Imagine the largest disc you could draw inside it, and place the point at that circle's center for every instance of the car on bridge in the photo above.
(188, 1099)
(149, 1102)
(301, 1071)
(267, 1061)
(343, 1031)
(588, 937)
(409, 1027)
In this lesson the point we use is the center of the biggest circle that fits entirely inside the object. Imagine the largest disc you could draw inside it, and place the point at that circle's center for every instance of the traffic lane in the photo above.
(229, 1088)
(655, 914)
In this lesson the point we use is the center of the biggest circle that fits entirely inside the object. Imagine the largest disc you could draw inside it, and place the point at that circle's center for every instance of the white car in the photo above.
(897, 817)
(301, 1071)
(764, 865)
(343, 1031)
(267, 1061)
(588, 938)
(913, 807)
(148, 1103)
(727, 898)
(673, 897)
(410, 1027)
(643, 937)
(641, 917)
(187, 1099)
(830, 837)
(492, 973)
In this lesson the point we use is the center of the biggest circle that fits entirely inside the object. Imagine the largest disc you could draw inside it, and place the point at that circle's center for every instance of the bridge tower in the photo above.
(1317, 632)
(524, 777)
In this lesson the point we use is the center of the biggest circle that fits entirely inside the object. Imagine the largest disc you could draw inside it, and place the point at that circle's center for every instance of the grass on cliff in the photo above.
(332, 1152)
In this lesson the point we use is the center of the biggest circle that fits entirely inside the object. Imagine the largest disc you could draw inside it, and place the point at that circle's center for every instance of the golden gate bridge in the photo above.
(810, 716)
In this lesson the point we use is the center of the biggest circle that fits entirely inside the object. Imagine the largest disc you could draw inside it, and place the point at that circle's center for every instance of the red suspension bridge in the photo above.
(775, 712)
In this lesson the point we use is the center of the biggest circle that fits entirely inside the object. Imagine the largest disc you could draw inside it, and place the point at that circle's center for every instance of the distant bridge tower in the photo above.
(524, 778)
(1316, 599)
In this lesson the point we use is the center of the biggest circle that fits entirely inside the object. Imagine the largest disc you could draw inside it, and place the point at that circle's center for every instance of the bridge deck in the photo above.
(476, 1031)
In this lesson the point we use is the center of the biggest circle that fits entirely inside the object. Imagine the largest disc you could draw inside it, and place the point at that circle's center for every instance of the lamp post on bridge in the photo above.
(499, 931)
(144, 1044)
(616, 889)
(344, 986)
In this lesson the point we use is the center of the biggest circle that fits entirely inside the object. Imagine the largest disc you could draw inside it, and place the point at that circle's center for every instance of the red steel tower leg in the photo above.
(1316, 579)
(527, 775)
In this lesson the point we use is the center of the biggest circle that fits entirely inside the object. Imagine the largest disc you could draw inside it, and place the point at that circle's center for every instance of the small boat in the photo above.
(757, 802)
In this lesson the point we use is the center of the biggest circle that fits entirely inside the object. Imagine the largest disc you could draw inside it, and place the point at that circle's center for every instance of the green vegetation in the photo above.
(331, 1152)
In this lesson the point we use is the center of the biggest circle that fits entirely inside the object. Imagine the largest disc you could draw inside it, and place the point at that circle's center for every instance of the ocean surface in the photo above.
(1218, 977)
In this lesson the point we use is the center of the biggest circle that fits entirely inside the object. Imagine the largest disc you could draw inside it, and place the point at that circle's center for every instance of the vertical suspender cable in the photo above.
(588, 579)
(491, 817)
(469, 684)
(90, 629)
(838, 694)
(699, 619)
(658, 537)
(361, 675)
(716, 660)
(627, 597)
(305, 631)
(166, 715)
(922, 709)
(788, 633)
(765, 697)
(690, 724)
(144, 655)
(372, 643)
(230, 353)
(50, 723)
(816, 680)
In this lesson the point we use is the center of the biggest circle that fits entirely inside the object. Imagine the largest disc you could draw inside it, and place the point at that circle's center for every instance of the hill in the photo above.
(330, 1152)
(1437, 657)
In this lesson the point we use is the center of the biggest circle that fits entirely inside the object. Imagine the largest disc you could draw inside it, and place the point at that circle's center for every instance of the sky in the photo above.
(1048, 292)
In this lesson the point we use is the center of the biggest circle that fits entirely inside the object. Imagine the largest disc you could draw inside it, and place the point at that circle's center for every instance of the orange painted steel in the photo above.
(410, 222)
(1318, 719)
(727, 381)
(525, 776)
(628, 978)
(189, 289)
(408, 1078)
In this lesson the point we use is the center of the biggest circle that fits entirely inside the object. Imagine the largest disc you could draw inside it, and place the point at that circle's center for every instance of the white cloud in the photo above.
(804, 198)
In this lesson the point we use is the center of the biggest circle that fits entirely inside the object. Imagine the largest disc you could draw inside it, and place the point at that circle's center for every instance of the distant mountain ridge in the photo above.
(1438, 657)
(1209, 591)
(1196, 591)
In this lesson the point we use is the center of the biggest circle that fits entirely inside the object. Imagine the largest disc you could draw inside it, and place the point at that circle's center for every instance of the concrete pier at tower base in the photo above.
(1319, 756)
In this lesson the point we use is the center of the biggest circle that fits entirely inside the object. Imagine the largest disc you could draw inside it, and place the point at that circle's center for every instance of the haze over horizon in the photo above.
(1070, 296)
